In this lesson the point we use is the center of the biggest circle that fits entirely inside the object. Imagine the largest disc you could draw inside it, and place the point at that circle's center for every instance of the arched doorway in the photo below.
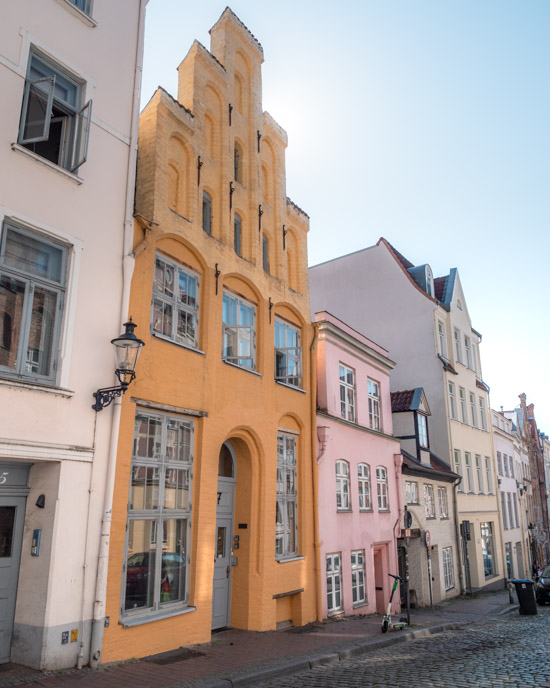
(221, 592)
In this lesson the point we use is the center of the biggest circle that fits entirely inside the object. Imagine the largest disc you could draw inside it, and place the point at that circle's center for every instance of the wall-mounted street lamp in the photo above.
(127, 350)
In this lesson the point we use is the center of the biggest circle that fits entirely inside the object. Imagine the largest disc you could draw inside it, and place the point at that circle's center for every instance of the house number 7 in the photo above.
(4, 477)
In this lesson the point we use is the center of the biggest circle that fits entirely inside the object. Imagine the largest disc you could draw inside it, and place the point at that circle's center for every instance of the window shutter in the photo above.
(37, 110)
(82, 135)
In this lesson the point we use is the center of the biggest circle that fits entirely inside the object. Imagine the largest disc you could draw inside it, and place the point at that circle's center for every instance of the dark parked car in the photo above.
(542, 587)
(140, 576)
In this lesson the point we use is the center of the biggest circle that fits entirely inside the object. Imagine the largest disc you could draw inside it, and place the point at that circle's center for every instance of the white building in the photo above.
(70, 73)
(510, 465)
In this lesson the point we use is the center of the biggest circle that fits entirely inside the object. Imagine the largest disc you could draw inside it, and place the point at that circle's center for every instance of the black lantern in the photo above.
(127, 350)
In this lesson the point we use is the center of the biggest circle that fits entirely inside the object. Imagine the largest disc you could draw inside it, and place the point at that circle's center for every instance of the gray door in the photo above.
(12, 516)
(223, 546)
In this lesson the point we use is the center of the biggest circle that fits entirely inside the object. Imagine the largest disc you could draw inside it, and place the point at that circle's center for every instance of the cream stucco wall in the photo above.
(52, 427)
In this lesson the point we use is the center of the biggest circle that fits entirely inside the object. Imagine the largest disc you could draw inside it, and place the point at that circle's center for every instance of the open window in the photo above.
(54, 123)
(288, 354)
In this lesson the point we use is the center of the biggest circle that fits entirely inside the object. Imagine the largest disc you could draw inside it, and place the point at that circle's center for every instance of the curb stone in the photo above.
(256, 678)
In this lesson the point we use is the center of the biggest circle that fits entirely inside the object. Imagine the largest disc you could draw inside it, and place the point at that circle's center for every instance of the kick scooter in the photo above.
(386, 621)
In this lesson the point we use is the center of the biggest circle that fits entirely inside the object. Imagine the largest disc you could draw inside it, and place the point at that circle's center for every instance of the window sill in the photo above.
(335, 612)
(358, 605)
(171, 341)
(285, 561)
(344, 511)
(129, 622)
(247, 370)
(78, 13)
(431, 518)
(383, 511)
(366, 511)
(285, 384)
(59, 391)
(60, 170)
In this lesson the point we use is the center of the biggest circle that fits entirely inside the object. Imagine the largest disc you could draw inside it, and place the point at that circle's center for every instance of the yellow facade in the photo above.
(216, 139)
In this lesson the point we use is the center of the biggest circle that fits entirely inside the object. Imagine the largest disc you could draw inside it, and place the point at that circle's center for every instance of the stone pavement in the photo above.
(240, 658)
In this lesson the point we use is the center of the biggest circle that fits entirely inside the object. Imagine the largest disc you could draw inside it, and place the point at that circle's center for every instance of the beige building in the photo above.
(424, 323)
(70, 73)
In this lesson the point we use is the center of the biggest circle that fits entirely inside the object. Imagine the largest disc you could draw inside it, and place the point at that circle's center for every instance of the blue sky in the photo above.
(423, 121)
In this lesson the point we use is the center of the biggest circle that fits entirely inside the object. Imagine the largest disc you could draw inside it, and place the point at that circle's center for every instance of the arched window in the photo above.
(237, 235)
(382, 488)
(206, 212)
(363, 476)
(265, 253)
(343, 501)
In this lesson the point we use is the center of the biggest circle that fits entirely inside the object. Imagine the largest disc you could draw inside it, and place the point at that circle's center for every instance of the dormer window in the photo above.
(422, 427)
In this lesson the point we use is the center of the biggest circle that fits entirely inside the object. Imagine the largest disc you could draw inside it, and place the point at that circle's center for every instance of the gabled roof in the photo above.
(409, 400)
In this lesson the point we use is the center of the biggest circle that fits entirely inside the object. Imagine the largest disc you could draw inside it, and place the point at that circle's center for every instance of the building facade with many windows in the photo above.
(424, 322)
(429, 494)
(70, 73)
(359, 467)
(213, 513)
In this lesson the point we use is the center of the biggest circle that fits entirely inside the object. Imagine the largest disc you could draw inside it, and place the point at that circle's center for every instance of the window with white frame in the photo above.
(505, 464)
(468, 349)
(443, 504)
(288, 354)
(479, 471)
(373, 389)
(499, 463)
(469, 474)
(458, 469)
(515, 500)
(175, 310)
(54, 123)
(363, 477)
(503, 509)
(343, 501)
(513, 524)
(382, 488)
(463, 410)
(473, 409)
(411, 492)
(422, 426)
(489, 475)
(84, 5)
(429, 501)
(156, 567)
(458, 347)
(239, 331)
(487, 549)
(442, 344)
(286, 526)
(33, 269)
(347, 392)
(358, 577)
(482, 415)
(237, 234)
(511, 465)
(452, 400)
(448, 572)
(334, 582)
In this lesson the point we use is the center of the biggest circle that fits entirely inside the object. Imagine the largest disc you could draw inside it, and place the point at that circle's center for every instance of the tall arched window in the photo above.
(382, 488)
(238, 163)
(343, 501)
(363, 477)
(206, 212)
(237, 235)
(265, 253)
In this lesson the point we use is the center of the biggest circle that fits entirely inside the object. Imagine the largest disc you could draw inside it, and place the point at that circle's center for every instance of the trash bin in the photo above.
(526, 596)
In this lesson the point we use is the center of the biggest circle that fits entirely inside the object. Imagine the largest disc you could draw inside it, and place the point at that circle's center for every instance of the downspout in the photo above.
(458, 540)
(398, 463)
(315, 471)
(98, 623)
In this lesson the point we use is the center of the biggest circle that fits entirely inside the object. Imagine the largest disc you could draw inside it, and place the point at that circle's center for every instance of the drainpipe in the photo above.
(98, 623)
(315, 471)
(398, 463)
(458, 540)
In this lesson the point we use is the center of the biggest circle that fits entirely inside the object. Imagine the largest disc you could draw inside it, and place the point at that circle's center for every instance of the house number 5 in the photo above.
(4, 477)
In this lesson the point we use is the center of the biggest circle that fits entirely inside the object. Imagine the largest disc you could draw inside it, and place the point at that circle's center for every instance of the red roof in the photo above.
(439, 287)
(401, 401)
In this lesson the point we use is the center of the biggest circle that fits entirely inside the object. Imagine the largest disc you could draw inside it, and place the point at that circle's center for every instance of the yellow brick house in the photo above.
(213, 519)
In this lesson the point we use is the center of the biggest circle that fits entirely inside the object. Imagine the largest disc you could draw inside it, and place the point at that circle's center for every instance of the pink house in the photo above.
(359, 467)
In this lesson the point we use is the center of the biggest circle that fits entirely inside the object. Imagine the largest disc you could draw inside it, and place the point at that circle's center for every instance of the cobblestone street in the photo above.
(511, 651)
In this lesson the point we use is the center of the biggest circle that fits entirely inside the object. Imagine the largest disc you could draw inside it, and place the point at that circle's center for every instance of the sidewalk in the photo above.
(246, 658)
